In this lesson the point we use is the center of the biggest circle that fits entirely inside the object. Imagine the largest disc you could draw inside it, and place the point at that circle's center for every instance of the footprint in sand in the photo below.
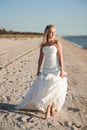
(73, 109)
(24, 119)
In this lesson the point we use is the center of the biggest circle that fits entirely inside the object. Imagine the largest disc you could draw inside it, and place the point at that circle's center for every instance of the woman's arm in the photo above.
(40, 61)
(60, 55)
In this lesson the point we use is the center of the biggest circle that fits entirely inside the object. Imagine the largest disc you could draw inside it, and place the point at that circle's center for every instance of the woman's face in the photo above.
(51, 33)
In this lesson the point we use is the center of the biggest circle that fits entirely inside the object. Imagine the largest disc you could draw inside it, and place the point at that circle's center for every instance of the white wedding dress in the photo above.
(49, 87)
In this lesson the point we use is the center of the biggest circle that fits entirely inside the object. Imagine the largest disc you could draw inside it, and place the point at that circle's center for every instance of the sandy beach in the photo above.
(18, 66)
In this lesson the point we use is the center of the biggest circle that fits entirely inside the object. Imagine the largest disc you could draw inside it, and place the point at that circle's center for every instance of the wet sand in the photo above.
(18, 66)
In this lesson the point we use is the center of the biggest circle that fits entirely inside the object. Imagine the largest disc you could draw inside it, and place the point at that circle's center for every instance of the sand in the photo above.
(18, 66)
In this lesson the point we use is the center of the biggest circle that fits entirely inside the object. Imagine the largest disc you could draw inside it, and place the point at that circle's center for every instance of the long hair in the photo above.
(45, 35)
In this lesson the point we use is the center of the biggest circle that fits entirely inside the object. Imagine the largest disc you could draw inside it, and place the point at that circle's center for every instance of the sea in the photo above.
(80, 41)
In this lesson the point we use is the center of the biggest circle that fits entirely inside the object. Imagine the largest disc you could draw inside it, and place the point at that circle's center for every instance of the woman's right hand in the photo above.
(38, 73)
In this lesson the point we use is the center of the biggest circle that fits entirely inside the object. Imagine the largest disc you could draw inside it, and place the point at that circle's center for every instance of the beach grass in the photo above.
(20, 36)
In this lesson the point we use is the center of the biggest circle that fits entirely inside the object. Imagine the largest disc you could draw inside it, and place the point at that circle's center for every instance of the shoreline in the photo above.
(75, 42)
(77, 45)
(17, 76)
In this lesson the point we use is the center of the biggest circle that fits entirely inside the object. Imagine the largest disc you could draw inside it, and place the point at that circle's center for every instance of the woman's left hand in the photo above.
(62, 74)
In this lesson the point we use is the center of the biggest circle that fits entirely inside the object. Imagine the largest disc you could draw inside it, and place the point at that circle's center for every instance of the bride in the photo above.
(48, 91)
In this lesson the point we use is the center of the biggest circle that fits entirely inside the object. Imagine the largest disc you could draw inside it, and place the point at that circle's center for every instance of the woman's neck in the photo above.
(51, 41)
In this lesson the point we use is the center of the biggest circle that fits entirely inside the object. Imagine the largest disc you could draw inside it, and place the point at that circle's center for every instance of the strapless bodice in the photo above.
(51, 62)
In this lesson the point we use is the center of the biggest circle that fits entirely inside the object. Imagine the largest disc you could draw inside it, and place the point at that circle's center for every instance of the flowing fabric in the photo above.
(48, 87)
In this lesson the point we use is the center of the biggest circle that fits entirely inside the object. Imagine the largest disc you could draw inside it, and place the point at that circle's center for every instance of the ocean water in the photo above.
(80, 41)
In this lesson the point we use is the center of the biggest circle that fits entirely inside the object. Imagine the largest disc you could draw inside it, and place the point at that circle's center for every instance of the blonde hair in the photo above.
(45, 35)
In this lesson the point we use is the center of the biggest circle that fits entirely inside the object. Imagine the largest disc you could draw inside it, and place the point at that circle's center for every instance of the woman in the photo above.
(48, 91)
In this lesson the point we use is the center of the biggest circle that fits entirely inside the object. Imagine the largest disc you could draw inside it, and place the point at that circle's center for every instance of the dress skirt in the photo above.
(46, 89)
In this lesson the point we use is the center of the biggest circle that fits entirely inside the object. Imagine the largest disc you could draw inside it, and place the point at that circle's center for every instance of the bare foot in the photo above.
(47, 115)
(52, 111)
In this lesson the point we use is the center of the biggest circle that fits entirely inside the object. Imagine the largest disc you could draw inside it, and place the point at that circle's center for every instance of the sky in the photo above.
(69, 16)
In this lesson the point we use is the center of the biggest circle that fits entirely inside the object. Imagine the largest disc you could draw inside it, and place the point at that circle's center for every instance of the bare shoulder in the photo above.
(41, 49)
(42, 46)
(57, 44)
